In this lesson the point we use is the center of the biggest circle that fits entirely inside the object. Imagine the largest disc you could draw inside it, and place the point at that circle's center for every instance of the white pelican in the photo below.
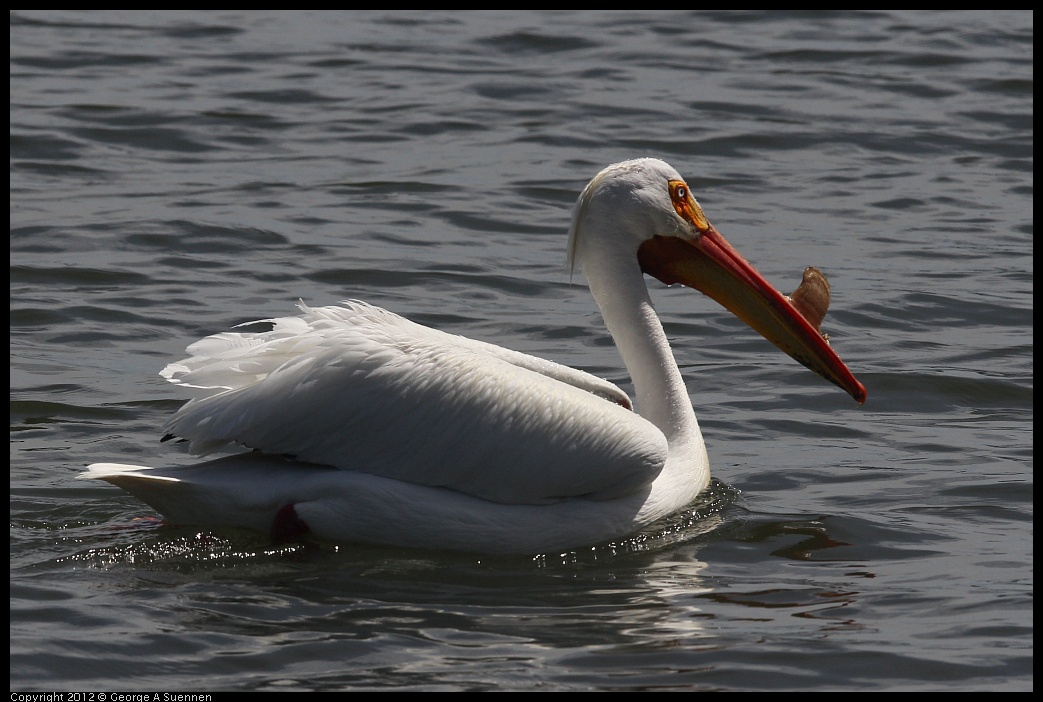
(370, 428)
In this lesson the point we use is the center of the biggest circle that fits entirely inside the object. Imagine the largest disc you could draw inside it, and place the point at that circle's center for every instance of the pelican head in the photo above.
(640, 216)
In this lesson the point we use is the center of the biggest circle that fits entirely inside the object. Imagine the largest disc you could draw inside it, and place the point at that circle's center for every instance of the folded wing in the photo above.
(362, 389)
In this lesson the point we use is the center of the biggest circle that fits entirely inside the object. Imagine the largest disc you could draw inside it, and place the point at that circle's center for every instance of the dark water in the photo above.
(174, 174)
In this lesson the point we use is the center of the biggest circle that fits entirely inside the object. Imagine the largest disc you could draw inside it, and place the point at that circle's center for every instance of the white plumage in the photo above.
(368, 390)
(373, 428)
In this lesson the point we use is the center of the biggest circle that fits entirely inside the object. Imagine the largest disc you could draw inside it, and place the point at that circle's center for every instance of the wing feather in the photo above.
(359, 388)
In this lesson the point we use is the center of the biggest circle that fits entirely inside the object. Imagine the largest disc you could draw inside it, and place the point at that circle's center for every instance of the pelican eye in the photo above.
(686, 207)
(679, 193)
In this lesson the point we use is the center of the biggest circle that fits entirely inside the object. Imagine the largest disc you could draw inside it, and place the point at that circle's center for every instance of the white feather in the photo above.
(377, 429)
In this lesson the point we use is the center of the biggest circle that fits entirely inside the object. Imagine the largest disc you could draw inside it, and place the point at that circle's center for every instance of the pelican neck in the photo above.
(626, 307)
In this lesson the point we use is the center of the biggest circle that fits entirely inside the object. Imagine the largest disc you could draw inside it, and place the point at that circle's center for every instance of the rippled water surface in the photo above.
(177, 173)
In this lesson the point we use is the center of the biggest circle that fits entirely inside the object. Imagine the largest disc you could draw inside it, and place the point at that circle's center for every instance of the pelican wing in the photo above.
(362, 389)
